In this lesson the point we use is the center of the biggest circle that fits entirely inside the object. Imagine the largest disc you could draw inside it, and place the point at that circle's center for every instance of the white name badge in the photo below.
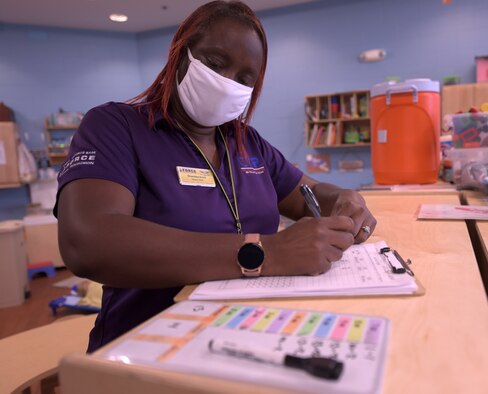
(195, 177)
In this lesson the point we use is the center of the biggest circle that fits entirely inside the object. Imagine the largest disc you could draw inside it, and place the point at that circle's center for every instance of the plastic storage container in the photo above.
(461, 158)
(470, 130)
(13, 264)
(405, 127)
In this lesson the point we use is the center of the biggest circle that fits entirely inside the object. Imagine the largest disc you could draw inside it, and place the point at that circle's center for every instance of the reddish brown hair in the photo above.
(158, 96)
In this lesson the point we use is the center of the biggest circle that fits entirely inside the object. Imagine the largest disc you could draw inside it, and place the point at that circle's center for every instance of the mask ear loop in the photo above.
(190, 58)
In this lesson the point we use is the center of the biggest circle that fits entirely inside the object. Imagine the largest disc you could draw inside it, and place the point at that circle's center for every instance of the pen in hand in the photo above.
(310, 200)
(322, 367)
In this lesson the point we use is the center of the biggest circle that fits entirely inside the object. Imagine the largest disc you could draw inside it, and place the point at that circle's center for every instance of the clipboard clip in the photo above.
(394, 268)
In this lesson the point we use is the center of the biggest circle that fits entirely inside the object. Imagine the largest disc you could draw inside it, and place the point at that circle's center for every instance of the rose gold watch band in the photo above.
(252, 239)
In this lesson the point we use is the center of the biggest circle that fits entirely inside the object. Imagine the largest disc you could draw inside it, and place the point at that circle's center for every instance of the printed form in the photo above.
(362, 270)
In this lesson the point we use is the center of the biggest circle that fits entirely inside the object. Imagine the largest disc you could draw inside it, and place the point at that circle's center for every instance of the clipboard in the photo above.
(185, 293)
(363, 271)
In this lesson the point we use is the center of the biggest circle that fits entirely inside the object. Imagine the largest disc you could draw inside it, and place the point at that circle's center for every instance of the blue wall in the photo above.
(42, 70)
(313, 49)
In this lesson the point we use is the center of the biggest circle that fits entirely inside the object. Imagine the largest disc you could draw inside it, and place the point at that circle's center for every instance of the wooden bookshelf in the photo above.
(58, 140)
(338, 120)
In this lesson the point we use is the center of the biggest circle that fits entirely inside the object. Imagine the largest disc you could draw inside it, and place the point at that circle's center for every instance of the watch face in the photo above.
(250, 256)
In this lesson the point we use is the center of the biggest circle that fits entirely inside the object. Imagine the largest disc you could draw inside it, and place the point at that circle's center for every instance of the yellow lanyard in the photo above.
(234, 210)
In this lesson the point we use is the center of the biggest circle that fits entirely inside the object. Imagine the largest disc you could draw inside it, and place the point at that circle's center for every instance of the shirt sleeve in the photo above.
(101, 148)
(284, 175)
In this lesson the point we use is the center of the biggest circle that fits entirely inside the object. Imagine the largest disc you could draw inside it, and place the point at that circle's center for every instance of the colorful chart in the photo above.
(178, 339)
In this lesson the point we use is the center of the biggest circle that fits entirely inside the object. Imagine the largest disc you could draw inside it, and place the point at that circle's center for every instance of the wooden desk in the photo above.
(479, 233)
(438, 341)
(33, 355)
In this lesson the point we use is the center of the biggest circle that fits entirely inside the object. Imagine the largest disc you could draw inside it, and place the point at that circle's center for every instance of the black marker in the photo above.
(326, 368)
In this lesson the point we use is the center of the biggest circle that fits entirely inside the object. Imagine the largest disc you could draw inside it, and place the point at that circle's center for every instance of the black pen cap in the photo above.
(321, 367)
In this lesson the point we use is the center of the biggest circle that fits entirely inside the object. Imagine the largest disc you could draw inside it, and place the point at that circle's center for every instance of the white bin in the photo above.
(41, 239)
(13, 264)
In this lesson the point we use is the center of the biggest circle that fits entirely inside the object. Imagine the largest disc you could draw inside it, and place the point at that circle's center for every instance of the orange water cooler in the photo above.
(405, 131)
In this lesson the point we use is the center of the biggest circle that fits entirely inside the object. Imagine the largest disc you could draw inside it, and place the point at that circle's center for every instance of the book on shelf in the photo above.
(312, 134)
(311, 112)
(331, 134)
(319, 139)
(354, 111)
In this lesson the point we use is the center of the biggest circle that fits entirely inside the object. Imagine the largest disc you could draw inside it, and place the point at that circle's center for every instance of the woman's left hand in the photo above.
(351, 203)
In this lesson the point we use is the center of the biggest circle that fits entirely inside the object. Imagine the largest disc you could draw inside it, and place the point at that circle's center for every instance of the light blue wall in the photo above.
(313, 49)
(44, 69)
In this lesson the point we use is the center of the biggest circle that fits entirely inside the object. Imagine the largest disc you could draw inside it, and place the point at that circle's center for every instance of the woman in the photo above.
(175, 188)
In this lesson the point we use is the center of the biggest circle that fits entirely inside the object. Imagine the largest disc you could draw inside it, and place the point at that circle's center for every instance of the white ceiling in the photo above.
(93, 14)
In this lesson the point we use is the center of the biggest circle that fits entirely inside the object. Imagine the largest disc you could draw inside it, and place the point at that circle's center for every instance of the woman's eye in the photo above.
(213, 64)
(246, 81)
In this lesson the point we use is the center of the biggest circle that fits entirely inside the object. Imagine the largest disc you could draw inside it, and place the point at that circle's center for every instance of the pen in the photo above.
(310, 200)
(326, 368)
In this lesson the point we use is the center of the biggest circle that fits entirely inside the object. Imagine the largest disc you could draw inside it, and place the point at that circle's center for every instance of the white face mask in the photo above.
(209, 98)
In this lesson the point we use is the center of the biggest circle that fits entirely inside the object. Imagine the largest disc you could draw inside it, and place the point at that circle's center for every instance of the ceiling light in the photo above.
(118, 17)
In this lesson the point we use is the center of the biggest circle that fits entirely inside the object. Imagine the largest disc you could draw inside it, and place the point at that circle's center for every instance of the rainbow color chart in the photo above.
(177, 339)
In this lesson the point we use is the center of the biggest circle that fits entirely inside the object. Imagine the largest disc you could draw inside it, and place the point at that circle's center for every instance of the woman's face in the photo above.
(231, 49)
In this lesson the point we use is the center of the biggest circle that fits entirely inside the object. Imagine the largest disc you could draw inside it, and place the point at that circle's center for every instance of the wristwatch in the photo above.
(250, 257)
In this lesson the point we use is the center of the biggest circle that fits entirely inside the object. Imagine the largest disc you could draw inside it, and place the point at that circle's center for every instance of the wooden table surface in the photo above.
(479, 233)
(34, 354)
(438, 342)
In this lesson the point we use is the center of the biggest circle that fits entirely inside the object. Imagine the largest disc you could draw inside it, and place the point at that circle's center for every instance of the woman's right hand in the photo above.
(307, 247)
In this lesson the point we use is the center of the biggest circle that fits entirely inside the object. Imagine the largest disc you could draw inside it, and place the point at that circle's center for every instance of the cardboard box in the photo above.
(41, 239)
(9, 163)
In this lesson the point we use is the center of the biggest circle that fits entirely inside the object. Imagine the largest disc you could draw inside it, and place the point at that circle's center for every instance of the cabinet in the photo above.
(58, 139)
(337, 120)
(9, 161)
(457, 98)
(13, 269)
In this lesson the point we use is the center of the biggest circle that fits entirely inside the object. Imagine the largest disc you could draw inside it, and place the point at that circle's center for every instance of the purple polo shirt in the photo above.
(114, 142)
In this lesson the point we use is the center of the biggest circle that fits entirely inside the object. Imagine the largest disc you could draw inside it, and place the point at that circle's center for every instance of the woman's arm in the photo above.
(101, 240)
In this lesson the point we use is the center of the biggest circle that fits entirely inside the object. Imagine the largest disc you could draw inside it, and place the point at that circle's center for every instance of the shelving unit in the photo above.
(337, 120)
(58, 140)
(462, 97)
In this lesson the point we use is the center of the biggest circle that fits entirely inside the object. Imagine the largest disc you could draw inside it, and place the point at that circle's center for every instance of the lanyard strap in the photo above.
(234, 209)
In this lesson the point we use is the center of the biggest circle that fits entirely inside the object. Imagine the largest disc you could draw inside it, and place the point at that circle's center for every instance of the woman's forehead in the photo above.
(229, 32)
(234, 38)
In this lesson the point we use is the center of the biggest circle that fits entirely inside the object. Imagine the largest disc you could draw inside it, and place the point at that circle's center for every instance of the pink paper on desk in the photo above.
(450, 211)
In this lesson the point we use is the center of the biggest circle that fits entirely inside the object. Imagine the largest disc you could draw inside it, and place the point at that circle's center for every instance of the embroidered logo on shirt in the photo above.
(79, 158)
(251, 165)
